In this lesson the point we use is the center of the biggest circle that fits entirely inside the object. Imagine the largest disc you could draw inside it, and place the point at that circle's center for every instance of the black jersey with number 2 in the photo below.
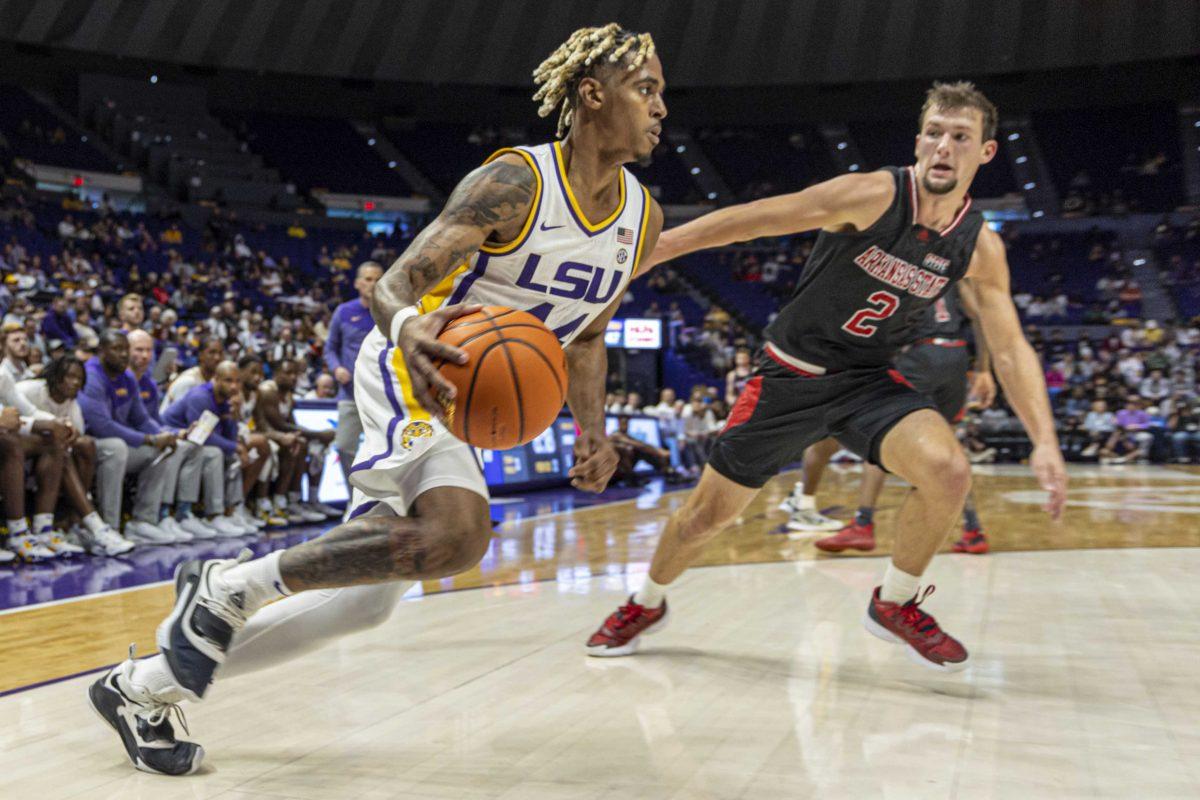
(865, 294)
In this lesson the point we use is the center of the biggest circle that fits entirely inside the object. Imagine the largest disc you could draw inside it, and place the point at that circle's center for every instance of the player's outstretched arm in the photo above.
(847, 202)
(587, 369)
(491, 203)
(1015, 363)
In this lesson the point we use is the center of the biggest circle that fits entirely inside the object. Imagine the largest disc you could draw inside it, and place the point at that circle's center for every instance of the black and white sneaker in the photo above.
(207, 613)
(143, 724)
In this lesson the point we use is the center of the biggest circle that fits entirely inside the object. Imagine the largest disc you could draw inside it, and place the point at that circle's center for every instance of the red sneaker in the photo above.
(973, 542)
(906, 623)
(853, 536)
(620, 633)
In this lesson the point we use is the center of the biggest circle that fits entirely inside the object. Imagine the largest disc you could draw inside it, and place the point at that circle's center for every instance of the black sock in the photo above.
(970, 520)
(864, 516)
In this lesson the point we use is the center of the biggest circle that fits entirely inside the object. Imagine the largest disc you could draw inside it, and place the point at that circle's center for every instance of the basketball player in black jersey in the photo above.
(891, 243)
(936, 364)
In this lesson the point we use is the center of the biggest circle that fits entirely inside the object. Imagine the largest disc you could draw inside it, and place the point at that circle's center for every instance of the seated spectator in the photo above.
(55, 394)
(15, 352)
(58, 324)
(697, 421)
(212, 353)
(1099, 425)
(299, 448)
(1120, 448)
(1133, 420)
(129, 441)
(631, 450)
(224, 457)
(1183, 426)
(1154, 387)
(26, 433)
(324, 388)
(971, 436)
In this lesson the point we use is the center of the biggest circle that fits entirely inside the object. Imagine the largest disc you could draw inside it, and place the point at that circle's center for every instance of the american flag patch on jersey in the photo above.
(624, 236)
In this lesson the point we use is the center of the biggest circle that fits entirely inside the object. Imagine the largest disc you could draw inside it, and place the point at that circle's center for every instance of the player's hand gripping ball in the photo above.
(514, 382)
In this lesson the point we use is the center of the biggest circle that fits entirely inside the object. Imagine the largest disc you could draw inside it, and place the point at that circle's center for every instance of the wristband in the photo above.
(399, 319)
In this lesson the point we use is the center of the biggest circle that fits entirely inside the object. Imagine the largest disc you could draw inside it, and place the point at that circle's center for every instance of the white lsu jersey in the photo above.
(562, 268)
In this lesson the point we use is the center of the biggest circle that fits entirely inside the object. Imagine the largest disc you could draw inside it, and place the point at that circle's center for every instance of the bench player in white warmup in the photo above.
(518, 232)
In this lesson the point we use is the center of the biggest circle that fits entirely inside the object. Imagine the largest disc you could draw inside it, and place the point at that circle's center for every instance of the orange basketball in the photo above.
(514, 382)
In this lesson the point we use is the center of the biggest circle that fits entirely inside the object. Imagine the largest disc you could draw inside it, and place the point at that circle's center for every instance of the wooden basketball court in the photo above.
(1083, 680)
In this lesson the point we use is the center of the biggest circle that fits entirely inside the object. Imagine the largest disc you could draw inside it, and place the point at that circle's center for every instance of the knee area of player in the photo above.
(448, 544)
(699, 522)
(365, 607)
(943, 471)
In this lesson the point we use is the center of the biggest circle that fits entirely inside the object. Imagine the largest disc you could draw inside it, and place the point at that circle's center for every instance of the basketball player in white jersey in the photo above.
(557, 229)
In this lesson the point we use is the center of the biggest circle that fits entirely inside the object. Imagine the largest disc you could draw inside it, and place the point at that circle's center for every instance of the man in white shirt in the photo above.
(26, 433)
(212, 353)
(14, 358)
(53, 395)
(1131, 368)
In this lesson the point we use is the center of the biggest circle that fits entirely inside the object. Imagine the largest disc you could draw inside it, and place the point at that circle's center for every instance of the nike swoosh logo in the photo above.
(546, 227)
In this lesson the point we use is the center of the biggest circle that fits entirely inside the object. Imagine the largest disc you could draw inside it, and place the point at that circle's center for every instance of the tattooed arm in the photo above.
(490, 204)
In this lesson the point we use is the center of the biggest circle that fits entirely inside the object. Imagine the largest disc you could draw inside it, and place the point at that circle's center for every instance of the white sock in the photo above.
(264, 504)
(651, 595)
(259, 579)
(293, 497)
(94, 522)
(808, 502)
(898, 585)
(152, 677)
(280, 501)
(18, 527)
(43, 522)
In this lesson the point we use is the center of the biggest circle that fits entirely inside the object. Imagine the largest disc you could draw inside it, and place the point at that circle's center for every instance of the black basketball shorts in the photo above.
(939, 373)
(781, 412)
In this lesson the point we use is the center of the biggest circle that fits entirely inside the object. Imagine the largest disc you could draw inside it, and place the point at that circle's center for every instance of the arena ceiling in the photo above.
(703, 42)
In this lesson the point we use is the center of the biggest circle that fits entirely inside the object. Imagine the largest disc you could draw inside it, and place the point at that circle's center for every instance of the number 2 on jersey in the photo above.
(883, 305)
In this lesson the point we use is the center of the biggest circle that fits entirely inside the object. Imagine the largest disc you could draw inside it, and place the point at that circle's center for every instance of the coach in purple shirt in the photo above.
(128, 441)
(350, 325)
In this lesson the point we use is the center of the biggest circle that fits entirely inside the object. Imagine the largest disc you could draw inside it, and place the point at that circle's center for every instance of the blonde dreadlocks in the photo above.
(560, 74)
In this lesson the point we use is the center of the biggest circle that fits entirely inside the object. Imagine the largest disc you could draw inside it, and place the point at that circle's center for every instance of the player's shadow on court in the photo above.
(660, 663)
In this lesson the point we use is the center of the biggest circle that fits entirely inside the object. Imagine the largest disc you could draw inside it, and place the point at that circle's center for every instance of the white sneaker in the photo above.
(198, 528)
(28, 548)
(144, 533)
(309, 513)
(172, 526)
(7, 556)
(290, 514)
(245, 516)
(791, 503)
(227, 526)
(329, 511)
(54, 541)
(107, 542)
(811, 520)
(247, 528)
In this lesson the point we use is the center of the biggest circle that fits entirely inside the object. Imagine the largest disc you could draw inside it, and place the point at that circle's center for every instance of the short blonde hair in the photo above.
(559, 75)
(961, 94)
